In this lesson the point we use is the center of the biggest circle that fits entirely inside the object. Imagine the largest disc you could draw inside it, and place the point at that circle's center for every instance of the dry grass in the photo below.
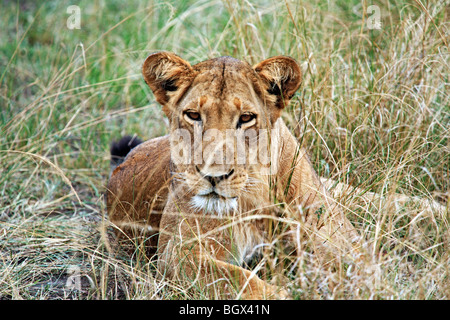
(373, 111)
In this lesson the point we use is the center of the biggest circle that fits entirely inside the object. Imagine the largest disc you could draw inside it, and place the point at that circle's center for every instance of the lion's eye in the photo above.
(246, 118)
(193, 115)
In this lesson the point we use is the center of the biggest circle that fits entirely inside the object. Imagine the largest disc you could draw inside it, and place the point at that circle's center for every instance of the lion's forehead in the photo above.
(205, 100)
(224, 76)
(223, 87)
(221, 65)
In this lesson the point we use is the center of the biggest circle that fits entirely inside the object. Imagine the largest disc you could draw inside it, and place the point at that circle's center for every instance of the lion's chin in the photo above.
(213, 203)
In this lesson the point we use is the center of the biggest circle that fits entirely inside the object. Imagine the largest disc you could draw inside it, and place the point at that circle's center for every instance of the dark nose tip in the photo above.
(215, 179)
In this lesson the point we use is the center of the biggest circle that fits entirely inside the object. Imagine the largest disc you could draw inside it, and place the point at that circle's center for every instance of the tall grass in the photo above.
(373, 112)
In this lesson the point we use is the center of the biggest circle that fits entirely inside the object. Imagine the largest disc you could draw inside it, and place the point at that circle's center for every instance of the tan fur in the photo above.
(148, 192)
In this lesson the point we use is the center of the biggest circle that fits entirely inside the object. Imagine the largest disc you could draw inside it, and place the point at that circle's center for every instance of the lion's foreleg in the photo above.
(395, 200)
(195, 268)
(331, 233)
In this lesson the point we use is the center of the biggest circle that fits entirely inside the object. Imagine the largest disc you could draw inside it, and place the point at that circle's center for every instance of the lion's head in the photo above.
(220, 111)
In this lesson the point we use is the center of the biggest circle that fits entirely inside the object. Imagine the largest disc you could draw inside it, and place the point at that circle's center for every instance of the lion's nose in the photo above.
(215, 179)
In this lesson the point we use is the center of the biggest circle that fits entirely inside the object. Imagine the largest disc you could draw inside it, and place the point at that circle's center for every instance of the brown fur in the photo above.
(148, 189)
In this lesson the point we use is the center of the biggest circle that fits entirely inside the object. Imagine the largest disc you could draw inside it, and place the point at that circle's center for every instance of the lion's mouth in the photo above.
(214, 203)
(215, 195)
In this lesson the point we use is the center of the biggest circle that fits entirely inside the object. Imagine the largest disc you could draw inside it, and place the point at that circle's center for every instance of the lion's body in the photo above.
(138, 189)
(213, 216)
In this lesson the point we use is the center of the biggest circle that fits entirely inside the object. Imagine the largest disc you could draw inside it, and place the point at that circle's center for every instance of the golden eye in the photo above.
(247, 117)
(193, 115)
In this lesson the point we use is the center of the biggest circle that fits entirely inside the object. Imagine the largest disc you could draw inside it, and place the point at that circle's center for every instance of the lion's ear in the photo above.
(167, 75)
(282, 76)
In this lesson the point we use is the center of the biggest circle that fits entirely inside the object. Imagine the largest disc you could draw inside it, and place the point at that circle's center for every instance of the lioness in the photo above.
(209, 216)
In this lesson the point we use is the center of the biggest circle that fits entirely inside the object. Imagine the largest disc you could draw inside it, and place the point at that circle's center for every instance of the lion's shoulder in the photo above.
(150, 149)
(144, 171)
